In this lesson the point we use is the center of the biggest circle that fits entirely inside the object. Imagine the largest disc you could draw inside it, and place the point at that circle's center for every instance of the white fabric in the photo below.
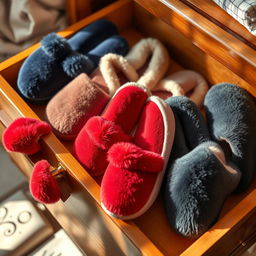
(23, 22)
(243, 11)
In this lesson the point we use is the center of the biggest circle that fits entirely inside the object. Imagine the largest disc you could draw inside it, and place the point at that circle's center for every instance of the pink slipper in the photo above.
(184, 83)
(114, 125)
(70, 108)
(23, 134)
(134, 175)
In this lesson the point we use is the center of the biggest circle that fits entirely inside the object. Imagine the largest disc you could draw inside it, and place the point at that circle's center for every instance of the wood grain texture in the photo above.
(79, 9)
(231, 229)
(185, 53)
(213, 40)
(149, 234)
(221, 18)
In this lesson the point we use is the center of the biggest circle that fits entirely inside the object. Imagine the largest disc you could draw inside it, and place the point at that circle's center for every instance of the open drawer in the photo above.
(149, 234)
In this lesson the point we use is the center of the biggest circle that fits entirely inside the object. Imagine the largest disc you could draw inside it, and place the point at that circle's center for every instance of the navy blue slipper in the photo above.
(231, 117)
(198, 177)
(56, 63)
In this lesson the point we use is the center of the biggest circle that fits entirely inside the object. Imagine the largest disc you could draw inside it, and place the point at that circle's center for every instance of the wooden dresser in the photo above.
(194, 42)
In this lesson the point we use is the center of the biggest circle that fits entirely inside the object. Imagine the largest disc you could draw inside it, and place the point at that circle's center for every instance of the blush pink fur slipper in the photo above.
(69, 110)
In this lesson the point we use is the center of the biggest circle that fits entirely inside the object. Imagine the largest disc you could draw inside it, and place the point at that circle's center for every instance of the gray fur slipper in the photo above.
(231, 116)
(198, 177)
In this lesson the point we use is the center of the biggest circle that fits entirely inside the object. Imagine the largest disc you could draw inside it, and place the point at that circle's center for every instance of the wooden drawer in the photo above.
(78, 9)
(191, 47)
(222, 19)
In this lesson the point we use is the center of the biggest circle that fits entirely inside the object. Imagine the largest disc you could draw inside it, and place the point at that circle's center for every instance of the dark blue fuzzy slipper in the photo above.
(198, 178)
(231, 116)
(59, 60)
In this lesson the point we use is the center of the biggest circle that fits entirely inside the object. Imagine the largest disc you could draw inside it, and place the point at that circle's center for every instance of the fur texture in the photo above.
(109, 65)
(89, 37)
(198, 184)
(231, 115)
(55, 46)
(158, 63)
(114, 44)
(22, 135)
(55, 63)
(129, 156)
(185, 82)
(43, 186)
(76, 64)
(105, 133)
(134, 175)
(191, 122)
(122, 111)
(69, 109)
(198, 181)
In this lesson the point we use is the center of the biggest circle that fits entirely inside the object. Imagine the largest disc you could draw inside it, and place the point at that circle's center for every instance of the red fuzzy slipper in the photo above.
(115, 125)
(134, 175)
(43, 186)
(22, 135)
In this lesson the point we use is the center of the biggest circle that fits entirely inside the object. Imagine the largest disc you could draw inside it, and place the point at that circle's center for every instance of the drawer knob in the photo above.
(49, 185)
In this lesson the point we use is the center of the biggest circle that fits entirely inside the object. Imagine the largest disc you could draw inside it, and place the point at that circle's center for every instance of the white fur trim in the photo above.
(111, 62)
(182, 82)
(170, 86)
(158, 63)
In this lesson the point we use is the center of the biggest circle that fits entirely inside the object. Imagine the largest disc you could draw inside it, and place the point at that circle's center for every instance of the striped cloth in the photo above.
(243, 11)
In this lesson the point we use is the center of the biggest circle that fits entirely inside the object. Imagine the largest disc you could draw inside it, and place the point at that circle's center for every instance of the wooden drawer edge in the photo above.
(234, 218)
(221, 18)
(129, 228)
(225, 48)
(10, 97)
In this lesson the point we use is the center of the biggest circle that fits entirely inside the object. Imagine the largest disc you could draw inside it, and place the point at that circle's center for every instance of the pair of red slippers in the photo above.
(129, 144)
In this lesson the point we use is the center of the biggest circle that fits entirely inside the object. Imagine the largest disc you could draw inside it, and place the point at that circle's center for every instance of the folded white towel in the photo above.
(243, 11)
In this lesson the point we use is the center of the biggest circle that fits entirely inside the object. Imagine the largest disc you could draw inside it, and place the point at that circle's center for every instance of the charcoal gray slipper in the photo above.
(198, 177)
(231, 116)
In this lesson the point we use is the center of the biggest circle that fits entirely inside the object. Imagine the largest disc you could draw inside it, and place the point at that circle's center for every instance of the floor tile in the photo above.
(10, 175)
(21, 225)
(59, 245)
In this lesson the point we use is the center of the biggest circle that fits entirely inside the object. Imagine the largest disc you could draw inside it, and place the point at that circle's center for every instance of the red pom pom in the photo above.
(129, 156)
(23, 134)
(43, 186)
(105, 133)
